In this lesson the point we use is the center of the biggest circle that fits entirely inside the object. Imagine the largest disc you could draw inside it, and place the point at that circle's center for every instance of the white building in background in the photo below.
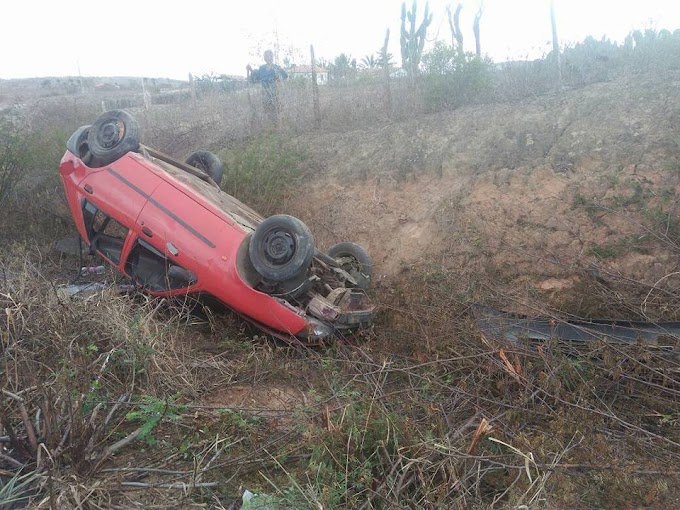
(305, 72)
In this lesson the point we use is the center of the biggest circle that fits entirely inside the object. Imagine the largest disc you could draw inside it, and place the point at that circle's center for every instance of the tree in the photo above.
(475, 28)
(344, 67)
(452, 78)
(322, 63)
(454, 25)
(385, 59)
(369, 62)
(412, 39)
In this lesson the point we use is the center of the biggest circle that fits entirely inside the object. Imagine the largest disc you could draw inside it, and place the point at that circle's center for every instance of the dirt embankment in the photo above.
(533, 197)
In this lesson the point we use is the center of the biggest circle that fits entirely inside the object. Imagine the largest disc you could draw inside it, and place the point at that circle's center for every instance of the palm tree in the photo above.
(369, 62)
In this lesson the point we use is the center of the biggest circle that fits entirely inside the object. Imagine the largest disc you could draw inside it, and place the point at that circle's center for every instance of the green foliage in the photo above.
(342, 70)
(150, 411)
(632, 243)
(652, 49)
(605, 251)
(664, 222)
(388, 58)
(588, 61)
(30, 150)
(216, 83)
(16, 490)
(673, 165)
(370, 62)
(346, 462)
(453, 78)
(592, 60)
(28, 163)
(238, 422)
(261, 172)
(14, 157)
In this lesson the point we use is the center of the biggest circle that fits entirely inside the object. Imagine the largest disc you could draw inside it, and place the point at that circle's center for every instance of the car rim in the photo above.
(111, 133)
(279, 247)
(349, 263)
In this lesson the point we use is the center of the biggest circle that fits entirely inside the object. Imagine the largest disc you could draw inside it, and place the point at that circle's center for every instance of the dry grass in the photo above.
(74, 371)
(127, 402)
(427, 414)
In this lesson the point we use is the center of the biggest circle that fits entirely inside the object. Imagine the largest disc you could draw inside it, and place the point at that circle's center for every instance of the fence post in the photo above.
(556, 45)
(386, 68)
(315, 89)
(145, 95)
(192, 87)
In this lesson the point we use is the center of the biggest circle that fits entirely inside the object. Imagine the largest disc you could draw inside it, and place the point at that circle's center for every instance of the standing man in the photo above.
(268, 74)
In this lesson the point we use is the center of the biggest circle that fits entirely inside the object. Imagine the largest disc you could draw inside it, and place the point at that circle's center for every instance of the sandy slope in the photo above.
(535, 196)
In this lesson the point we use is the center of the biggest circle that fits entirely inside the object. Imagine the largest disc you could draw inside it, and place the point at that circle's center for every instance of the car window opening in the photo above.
(106, 235)
(154, 271)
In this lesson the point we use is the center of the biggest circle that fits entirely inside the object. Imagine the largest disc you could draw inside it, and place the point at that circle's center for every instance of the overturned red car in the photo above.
(170, 229)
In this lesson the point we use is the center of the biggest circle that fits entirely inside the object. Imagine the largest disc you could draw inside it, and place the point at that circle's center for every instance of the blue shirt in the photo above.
(268, 75)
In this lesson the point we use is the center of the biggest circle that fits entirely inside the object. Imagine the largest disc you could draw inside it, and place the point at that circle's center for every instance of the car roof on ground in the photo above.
(221, 200)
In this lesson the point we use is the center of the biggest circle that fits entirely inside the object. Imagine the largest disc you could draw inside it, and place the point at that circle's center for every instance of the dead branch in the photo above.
(177, 485)
(110, 450)
(12, 461)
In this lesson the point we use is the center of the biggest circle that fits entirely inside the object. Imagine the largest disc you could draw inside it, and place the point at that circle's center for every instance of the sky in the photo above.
(169, 39)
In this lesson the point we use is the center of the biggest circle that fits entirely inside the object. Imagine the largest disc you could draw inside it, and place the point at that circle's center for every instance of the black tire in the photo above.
(114, 134)
(209, 163)
(281, 248)
(354, 259)
(78, 145)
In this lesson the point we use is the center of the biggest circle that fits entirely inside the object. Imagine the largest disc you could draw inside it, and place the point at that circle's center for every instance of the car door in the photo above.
(157, 272)
(106, 235)
(112, 198)
(181, 228)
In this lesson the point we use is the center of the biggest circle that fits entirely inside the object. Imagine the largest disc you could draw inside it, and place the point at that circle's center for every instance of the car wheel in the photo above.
(355, 260)
(209, 163)
(281, 248)
(114, 134)
(78, 145)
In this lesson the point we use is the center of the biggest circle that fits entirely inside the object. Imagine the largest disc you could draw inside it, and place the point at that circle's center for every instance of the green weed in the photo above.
(16, 490)
(604, 251)
(262, 172)
(664, 222)
(672, 165)
(347, 461)
(632, 243)
(150, 411)
(640, 195)
(11, 159)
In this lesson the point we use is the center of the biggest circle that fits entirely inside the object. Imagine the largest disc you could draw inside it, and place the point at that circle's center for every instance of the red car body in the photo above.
(174, 233)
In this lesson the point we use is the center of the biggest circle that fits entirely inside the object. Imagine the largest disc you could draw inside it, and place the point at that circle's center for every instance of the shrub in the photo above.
(453, 78)
(261, 172)
(13, 158)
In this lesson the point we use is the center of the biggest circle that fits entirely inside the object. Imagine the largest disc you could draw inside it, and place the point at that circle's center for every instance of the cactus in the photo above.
(412, 39)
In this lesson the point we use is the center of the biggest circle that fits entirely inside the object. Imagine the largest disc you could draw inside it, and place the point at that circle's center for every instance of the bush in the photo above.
(13, 158)
(261, 172)
(453, 78)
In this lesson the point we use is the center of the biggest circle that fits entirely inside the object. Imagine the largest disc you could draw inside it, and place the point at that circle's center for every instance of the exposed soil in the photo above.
(528, 196)
(276, 404)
